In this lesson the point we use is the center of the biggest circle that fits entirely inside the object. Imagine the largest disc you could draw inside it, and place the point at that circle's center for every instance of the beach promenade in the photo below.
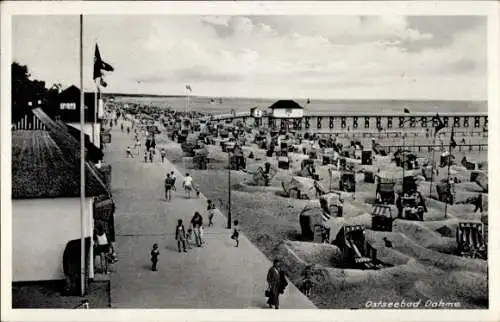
(217, 275)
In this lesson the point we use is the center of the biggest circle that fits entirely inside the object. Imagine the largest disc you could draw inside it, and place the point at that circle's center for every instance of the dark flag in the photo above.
(103, 83)
(439, 126)
(453, 144)
(100, 65)
(406, 110)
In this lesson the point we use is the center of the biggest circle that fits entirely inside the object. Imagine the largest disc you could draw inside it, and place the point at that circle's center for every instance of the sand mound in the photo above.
(455, 286)
(422, 235)
(427, 256)
(315, 253)
(250, 187)
(446, 231)
(391, 256)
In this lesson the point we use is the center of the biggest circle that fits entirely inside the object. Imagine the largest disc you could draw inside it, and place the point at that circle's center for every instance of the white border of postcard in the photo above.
(487, 8)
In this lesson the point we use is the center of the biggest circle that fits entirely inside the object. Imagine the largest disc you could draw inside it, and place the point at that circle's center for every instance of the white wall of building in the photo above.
(41, 228)
(92, 130)
(288, 113)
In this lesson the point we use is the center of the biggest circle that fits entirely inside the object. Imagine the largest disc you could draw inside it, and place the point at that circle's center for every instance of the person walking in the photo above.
(129, 153)
(211, 212)
(180, 236)
(163, 154)
(273, 285)
(478, 203)
(168, 187)
(236, 233)
(197, 223)
(172, 175)
(102, 248)
(145, 156)
(151, 154)
(154, 257)
(187, 184)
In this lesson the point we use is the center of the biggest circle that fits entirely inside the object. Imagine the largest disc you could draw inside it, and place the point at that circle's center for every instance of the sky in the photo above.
(268, 56)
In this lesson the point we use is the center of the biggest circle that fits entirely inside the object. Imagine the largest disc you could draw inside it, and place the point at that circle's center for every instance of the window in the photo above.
(331, 122)
(68, 106)
(319, 119)
(423, 122)
(445, 121)
(401, 121)
(342, 122)
(283, 124)
(367, 122)
(485, 121)
(456, 121)
(378, 121)
(435, 121)
(477, 121)
(307, 122)
(355, 122)
(298, 124)
(389, 122)
(412, 121)
(466, 121)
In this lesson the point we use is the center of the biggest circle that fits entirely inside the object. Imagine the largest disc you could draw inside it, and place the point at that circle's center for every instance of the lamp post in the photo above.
(229, 191)
(432, 164)
(448, 186)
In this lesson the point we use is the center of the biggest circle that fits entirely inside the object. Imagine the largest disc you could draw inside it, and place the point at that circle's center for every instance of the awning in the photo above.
(94, 154)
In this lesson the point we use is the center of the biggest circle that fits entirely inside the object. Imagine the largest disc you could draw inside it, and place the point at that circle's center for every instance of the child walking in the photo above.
(163, 154)
(154, 256)
(168, 187)
(189, 238)
(211, 212)
(236, 233)
(180, 236)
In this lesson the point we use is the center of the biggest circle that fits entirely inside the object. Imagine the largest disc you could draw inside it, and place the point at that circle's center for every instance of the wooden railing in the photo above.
(392, 134)
(443, 147)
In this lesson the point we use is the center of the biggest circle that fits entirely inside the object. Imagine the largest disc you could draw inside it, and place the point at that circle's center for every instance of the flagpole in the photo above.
(448, 174)
(187, 99)
(82, 167)
(96, 102)
(404, 161)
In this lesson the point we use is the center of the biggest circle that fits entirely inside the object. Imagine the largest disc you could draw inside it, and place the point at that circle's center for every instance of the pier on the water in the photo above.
(379, 124)
(409, 131)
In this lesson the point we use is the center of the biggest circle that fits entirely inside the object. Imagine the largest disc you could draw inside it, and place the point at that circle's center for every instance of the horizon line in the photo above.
(292, 98)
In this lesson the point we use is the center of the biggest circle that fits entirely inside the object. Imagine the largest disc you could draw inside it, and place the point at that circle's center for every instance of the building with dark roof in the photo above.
(46, 198)
(68, 110)
(286, 109)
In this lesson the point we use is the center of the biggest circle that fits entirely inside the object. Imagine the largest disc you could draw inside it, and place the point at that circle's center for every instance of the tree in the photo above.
(25, 90)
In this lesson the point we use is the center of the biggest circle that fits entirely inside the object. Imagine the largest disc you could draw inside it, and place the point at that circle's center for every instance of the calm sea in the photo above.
(204, 104)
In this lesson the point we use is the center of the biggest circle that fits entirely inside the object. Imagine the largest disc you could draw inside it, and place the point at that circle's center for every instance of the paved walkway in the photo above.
(218, 275)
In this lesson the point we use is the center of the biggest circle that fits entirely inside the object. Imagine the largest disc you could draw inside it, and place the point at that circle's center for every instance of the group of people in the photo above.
(195, 231)
(187, 184)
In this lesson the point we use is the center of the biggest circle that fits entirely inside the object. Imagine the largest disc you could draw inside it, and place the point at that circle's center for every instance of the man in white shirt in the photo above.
(188, 185)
